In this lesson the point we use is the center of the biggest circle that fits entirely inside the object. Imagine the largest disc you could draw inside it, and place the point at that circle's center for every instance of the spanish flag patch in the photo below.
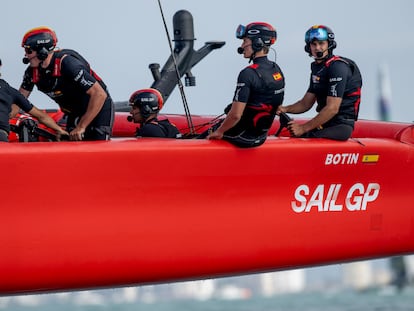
(277, 76)
(370, 158)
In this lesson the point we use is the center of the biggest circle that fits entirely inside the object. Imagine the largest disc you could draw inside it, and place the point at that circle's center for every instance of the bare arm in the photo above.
(232, 118)
(14, 111)
(45, 119)
(301, 105)
(327, 113)
(96, 102)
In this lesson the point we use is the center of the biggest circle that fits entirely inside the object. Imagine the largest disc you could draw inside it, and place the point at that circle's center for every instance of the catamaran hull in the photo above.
(127, 212)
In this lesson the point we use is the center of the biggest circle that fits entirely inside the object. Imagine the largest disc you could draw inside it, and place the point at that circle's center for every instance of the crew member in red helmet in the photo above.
(145, 106)
(259, 90)
(66, 77)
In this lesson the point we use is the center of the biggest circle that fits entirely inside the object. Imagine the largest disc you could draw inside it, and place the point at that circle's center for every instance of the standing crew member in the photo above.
(145, 106)
(335, 85)
(66, 77)
(259, 90)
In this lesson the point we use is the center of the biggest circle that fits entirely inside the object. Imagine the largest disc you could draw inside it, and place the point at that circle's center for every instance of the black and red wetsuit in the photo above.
(66, 80)
(337, 77)
(261, 86)
(158, 128)
(9, 96)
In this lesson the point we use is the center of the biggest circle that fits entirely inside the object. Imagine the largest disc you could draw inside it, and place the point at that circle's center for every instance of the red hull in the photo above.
(125, 212)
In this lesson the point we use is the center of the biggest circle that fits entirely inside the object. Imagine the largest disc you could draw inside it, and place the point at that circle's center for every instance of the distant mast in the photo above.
(384, 83)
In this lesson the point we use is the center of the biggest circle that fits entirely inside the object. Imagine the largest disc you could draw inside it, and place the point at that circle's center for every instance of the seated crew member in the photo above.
(335, 85)
(259, 90)
(145, 106)
(66, 77)
(9, 96)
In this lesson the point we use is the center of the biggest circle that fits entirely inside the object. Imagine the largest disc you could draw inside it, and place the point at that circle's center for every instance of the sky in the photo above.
(121, 38)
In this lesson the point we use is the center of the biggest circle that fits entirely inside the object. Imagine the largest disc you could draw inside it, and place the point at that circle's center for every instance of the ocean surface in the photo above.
(378, 300)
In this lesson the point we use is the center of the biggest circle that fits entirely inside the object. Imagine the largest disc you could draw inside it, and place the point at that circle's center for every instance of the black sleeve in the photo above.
(243, 86)
(338, 75)
(75, 70)
(20, 100)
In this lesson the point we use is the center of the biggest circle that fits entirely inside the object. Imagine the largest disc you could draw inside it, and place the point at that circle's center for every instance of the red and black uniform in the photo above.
(337, 77)
(66, 80)
(261, 86)
(8, 96)
(158, 128)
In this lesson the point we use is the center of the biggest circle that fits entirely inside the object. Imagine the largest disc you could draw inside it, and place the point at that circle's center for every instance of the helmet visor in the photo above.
(319, 34)
(241, 32)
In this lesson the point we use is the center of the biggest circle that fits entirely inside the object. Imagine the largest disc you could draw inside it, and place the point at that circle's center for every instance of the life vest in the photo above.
(59, 55)
(355, 74)
(262, 109)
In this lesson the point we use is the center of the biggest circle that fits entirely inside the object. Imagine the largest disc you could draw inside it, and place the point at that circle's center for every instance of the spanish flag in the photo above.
(277, 76)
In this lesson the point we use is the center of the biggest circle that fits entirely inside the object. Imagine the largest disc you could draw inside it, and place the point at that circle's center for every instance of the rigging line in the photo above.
(180, 84)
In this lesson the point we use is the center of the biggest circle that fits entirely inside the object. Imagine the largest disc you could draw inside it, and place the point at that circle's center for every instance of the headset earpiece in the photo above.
(257, 44)
(42, 53)
(145, 110)
(307, 48)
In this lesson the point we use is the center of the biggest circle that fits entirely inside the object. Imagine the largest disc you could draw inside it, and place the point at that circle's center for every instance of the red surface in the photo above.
(77, 215)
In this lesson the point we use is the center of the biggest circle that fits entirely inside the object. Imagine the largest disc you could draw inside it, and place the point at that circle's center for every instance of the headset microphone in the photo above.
(319, 54)
(240, 50)
(25, 60)
(130, 119)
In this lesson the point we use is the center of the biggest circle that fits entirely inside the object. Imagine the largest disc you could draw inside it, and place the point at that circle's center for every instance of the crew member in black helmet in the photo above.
(145, 106)
(66, 77)
(259, 90)
(9, 96)
(335, 85)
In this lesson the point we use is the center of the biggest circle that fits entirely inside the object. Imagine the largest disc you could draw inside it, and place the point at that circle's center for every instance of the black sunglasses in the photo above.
(28, 50)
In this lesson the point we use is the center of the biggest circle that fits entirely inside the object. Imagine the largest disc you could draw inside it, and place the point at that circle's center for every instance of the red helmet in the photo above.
(41, 39)
(148, 101)
(261, 34)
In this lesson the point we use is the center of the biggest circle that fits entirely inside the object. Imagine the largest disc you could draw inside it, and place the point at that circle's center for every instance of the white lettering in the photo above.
(357, 198)
(300, 196)
(341, 159)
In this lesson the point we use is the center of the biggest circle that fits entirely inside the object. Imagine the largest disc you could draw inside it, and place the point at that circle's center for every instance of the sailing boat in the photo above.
(83, 215)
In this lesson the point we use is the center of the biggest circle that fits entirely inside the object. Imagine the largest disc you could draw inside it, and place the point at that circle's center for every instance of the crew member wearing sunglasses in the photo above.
(335, 85)
(66, 77)
(259, 90)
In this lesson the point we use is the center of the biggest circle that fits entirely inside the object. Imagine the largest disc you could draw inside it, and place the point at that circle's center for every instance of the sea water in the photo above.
(376, 300)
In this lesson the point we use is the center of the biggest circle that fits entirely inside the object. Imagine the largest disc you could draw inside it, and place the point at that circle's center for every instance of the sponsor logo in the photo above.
(315, 79)
(86, 82)
(79, 75)
(330, 198)
(341, 158)
(350, 158)
(337, 79)
(334, 93)
(253, 31)
(43, 41)
(146, 99)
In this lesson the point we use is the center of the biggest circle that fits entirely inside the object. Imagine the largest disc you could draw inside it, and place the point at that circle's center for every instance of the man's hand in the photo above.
(77, 134)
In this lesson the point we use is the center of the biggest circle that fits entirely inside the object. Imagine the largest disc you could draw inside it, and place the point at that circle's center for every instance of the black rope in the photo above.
(180, 84)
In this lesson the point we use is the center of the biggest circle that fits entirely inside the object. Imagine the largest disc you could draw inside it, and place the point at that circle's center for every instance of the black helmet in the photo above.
(40, 39)
(320, 33)
(261, 34)
(148, 101)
